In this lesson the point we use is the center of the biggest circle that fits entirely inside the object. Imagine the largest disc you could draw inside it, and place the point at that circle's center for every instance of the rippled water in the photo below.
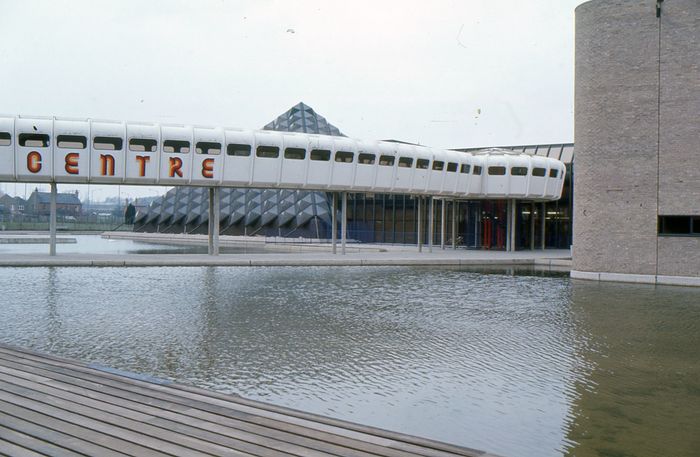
(518, 365)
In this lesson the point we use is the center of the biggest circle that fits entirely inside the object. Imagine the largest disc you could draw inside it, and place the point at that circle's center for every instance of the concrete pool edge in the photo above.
(552, 260)
(637, 279)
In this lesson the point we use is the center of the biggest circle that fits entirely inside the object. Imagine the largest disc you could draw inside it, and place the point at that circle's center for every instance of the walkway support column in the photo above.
(443, 224)
(344, 222)
(513, 223)
(419, 234)
(334, 223)
(544, 222)
(532, 226)
(214, 221)
(508, 224)
(431, 223)
(454, 224)
(52, 220)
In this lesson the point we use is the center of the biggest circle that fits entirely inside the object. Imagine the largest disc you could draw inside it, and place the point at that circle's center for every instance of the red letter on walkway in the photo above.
(107, 163)
(142, 160)
(208, 168)
(175, 165)
(72, 163)
(34, 162)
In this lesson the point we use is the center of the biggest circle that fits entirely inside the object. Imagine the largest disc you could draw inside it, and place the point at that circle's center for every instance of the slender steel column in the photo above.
(513, 223)
(544, 224)
(508, 224)
(477, 221)
(454, 224)
(213, 221)
(431, 223)
(532, 226)
(443, 224)
(52, 220)
(419, 234)
(334, 223)
(217, 223)
(344, 222)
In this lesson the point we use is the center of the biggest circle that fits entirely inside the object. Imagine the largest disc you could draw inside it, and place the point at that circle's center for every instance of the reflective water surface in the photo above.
(95, 244)
(519, 365)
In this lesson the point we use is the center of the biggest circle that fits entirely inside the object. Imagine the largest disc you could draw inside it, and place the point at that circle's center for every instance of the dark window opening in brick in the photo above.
(679, 225)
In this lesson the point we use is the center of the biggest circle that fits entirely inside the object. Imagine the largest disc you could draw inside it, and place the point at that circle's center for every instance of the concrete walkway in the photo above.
(274, 251)
(556, 260)
(33, 239)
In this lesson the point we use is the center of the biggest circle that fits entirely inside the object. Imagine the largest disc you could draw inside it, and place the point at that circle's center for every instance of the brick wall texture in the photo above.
(637, 135)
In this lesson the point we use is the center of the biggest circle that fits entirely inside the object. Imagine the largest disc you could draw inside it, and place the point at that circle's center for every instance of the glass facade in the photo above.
(480, 224)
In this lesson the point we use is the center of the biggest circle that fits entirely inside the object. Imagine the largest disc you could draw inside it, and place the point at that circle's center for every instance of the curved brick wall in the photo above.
(637, 135)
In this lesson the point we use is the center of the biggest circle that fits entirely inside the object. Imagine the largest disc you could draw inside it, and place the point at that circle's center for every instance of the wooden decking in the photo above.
(58, 407)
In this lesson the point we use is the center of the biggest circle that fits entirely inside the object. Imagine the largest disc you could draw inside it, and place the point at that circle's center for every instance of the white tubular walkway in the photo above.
(47, 149)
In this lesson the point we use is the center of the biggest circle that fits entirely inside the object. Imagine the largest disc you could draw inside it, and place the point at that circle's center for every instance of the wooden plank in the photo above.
(139, 432)
(48, 441)
(16, 444)
(196, 415)
(86, 429)
(170, 422)
(8, 449)
(130, 393)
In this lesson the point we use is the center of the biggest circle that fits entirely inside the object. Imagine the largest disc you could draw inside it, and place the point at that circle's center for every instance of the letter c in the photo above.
(34, 162)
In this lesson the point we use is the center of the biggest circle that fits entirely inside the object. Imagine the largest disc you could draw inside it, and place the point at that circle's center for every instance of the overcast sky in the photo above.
(441, 73)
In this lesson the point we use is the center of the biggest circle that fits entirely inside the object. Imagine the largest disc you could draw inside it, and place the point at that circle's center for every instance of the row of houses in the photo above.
(38, 204)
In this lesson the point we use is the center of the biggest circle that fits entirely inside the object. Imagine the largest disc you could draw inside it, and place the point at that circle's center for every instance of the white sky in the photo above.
(441, 73)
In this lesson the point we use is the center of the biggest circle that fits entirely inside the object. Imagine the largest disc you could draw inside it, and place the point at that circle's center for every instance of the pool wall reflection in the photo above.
(641, 396)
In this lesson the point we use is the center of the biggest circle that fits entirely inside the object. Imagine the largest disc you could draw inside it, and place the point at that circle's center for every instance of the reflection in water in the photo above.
(53, 319)
(519, 365)
(642, 397)
(95, 244)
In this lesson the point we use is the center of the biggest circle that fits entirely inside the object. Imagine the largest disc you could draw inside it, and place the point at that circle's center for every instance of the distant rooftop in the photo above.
(560, 151)
(61, 199)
